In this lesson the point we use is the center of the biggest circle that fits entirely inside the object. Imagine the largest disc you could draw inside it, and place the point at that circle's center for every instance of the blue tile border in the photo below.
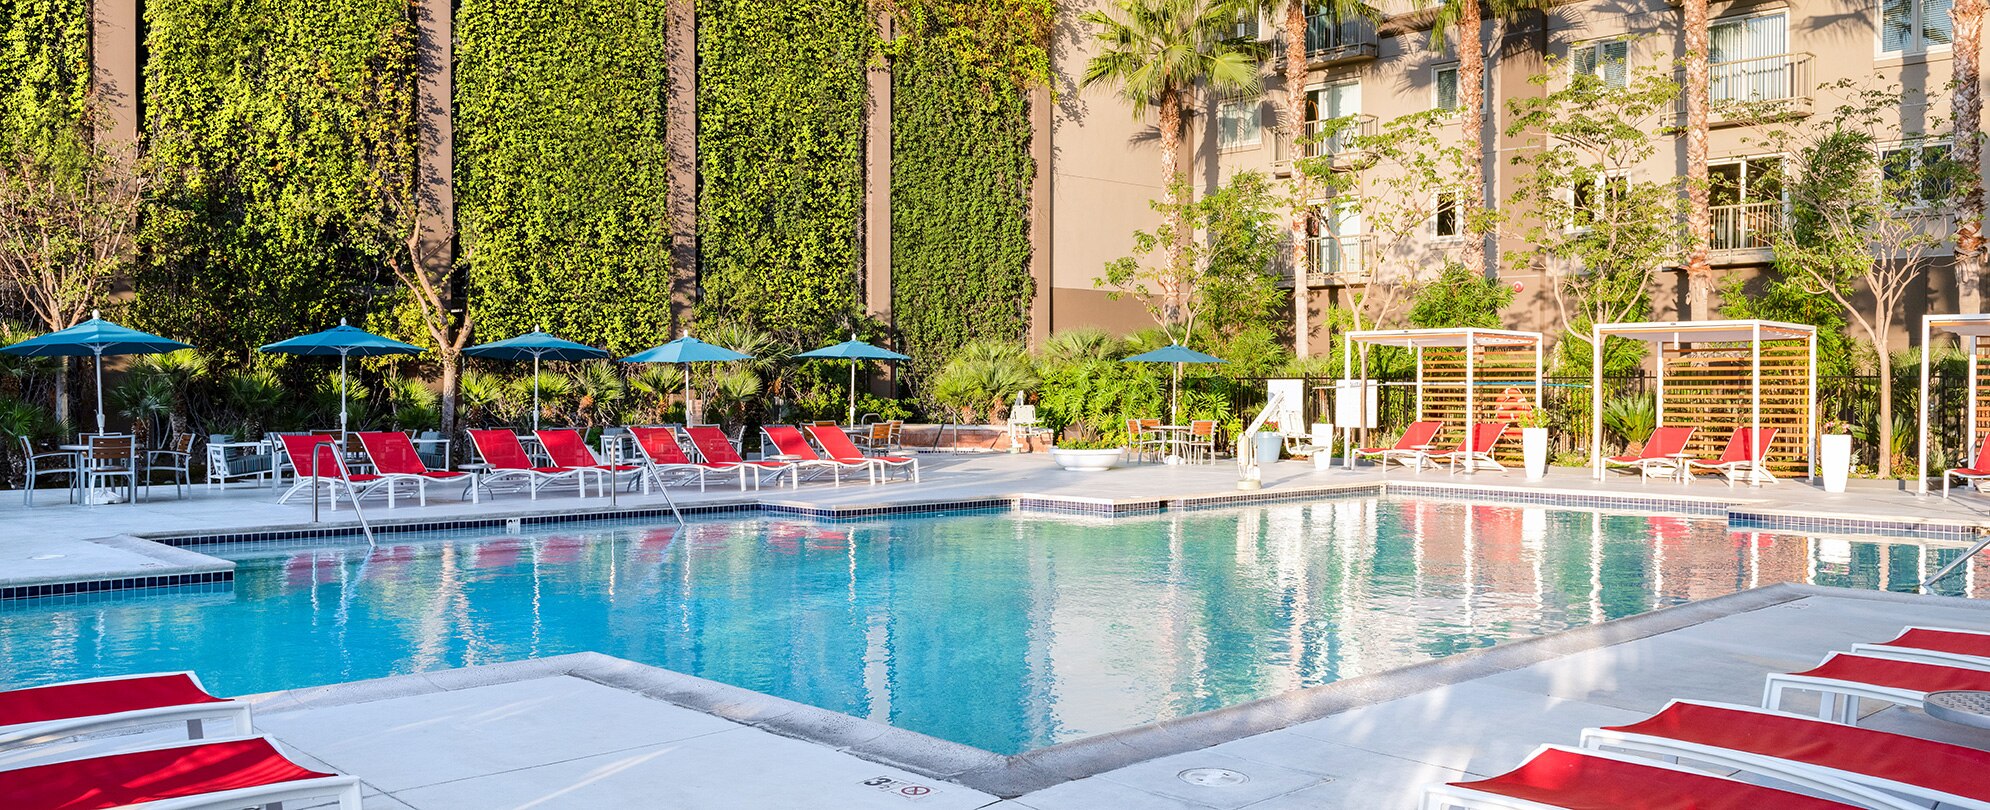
(122, 584)
(1708, 508)
(1831, 525)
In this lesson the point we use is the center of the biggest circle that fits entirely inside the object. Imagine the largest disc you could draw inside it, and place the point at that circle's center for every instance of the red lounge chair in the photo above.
(794, 447)
(394, 457)
(316, 466)
(1843, 679)
(1976, 472)
(35, 715)
(567, 449)
(717, 449)
(1800, 750)
(1662, 454)
(218, 775)
(506, 457)
(1479, 448)
(1560, 777)
(1412, 449)
(1934, 645)
(1741, 460)
(662, 455)
(837, 443)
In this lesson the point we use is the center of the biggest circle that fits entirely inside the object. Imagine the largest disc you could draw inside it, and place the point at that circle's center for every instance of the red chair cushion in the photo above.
(149, 776)
(1570, 780)
(1900, 674)
(1948, 641)
(62, 701)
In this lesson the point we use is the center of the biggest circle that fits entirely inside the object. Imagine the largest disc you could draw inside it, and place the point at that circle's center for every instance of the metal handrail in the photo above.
(363, 525)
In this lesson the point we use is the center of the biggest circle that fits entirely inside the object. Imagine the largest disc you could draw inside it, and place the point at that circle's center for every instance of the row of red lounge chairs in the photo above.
(1833, 762)
(504, 463)
(1742, 460)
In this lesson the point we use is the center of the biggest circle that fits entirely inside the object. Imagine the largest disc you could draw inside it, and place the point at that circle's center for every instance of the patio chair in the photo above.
(662, 456)
(1201, 441)
(1662, 453)
(507, 460)
(712, 444)
(67, 464)
(317, 467)
(1843, 679)
(875, 436)
(837, 444)
(567, 448)
(1478, 448)
(395, 458)
(1139, 441)
(110, 457)
(221, 774)
(1801, 751)
(1561, 777)
(177, 460)
(1412, 449)
(37, 715)
(1974, 474)
(1934, 645)
(794, 447)
(1741, 460)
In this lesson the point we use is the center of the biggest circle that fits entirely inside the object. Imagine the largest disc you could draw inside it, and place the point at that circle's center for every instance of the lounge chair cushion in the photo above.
(118, 780)
(1947, 641)
(62, 701)
(1909, 675)
(1567, 779)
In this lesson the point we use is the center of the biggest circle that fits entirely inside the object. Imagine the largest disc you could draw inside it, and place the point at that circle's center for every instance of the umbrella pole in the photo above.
(342, 419)
(1174, 397)
(852, 418)
(100, 390)
(535, 392)
(687, 393)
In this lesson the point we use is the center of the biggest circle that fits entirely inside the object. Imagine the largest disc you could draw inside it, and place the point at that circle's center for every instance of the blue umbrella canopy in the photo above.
(852, 350)
(686, 350)
(344, 341)
(1177, 354)
(95, 337)
(535, 345)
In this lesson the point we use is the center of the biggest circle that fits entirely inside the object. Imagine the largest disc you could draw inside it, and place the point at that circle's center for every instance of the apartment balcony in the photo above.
(1331, 42)
(1743, 233)
(1336, 261)
(1334, 140)
(1765, 88)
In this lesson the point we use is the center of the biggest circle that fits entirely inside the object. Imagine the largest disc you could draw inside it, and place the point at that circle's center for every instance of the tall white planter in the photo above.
(1835, 457)
(1534, 452)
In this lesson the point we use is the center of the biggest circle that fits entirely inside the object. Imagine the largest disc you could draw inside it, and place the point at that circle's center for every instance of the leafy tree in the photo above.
(1227, 281)
(1088, 391)
(1160, 53)
(1460, 298)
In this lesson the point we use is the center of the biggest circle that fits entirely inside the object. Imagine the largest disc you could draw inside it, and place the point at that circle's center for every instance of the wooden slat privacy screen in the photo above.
(1505, 377)
(1709, 387)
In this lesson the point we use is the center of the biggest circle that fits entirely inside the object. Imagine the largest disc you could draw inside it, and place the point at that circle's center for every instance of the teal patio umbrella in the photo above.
(535, 345)
(344, 341)
(95, 337)
(684, 351)
(1179, 355)
(855, 351)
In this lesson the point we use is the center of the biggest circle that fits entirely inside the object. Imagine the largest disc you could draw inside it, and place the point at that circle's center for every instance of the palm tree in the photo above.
(1699, 214)
(1468, 17)
(1967, 18)
(1159, 53)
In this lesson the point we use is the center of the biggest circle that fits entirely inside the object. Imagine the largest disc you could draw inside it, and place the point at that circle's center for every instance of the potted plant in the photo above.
(1835, 456)
(1093, 453)
(1534, 443)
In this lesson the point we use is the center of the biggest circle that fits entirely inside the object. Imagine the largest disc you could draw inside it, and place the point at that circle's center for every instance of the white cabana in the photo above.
(1710, 379)
(1482, 357)
(1972, 329)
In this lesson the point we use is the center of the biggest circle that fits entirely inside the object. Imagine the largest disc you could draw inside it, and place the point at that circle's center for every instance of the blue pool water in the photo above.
(999, 630)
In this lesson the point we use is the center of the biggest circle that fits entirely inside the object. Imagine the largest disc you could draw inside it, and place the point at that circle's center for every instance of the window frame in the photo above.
(1918, 151)
(1457, 89)
(1456, 196)
(1255, 115)
(1598, 45)
(1600, 182)
(1918, 40)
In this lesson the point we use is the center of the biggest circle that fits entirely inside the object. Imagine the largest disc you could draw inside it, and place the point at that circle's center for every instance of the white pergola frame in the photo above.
(1972, 329)
(1678, 333)
(1419, 339)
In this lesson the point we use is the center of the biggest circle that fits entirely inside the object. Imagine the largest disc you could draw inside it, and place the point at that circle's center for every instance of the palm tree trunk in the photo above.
(1699, 214)
(1179, 196)
(1967, 17)
(1472, 121)
(1295, 112)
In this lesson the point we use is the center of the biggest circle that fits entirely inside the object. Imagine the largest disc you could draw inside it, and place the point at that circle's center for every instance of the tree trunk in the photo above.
(1295, 114)
(1179, 196)
(62, 394)
(1472, 121)
(1699, 214)
(1967, 16)
(681, 143)
(1885, 412)
(451, 362)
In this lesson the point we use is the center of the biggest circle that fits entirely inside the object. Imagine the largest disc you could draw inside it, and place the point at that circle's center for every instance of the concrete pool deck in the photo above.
(593, 731)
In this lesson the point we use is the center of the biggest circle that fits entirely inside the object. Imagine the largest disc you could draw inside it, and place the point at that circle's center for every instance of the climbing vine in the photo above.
(260, 115)
(961, 171)
(44, 64)
(781, 93)
(561, 172)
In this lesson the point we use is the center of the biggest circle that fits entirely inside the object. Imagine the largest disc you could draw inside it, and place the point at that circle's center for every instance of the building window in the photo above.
(1334, 241)
(1915, 173)
(1604, 59)
(1445, 79)
(1749, 59)
(1913, 26)
(1246, 28)
(1446, 223)
(1324, 105)
(1593, 198)
(1747, 202)
(1237, 124)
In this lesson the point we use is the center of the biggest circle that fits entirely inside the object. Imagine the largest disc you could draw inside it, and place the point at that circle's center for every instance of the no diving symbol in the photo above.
(915, 790)
(900, 788)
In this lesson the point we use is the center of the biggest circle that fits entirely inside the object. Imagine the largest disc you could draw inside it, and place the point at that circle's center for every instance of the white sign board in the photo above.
(1356, 403)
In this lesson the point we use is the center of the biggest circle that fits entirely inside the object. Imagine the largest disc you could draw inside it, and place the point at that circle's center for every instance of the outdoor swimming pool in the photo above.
(1001, 630)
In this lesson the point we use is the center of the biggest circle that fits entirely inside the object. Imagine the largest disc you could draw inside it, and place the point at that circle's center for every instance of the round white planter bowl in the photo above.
(1088, 460)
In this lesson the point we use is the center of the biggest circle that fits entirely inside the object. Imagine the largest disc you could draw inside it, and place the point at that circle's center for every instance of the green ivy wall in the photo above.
(44, 63)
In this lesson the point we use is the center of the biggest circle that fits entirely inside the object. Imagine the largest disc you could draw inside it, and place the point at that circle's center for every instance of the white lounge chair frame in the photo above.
(1838, 700)
(227, 718)
(1354, 377)
(343, 789)
(1445, 796)
(1800, 774)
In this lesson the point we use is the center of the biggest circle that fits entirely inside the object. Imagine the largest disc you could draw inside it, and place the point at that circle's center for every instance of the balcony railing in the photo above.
(1334, 261)
(1747, 226)
(1745, 90)
(1330, 41)
(1334, 138)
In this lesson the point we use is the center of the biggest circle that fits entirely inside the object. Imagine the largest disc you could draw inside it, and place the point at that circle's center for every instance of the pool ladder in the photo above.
(1982, 541)
(356, 508)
